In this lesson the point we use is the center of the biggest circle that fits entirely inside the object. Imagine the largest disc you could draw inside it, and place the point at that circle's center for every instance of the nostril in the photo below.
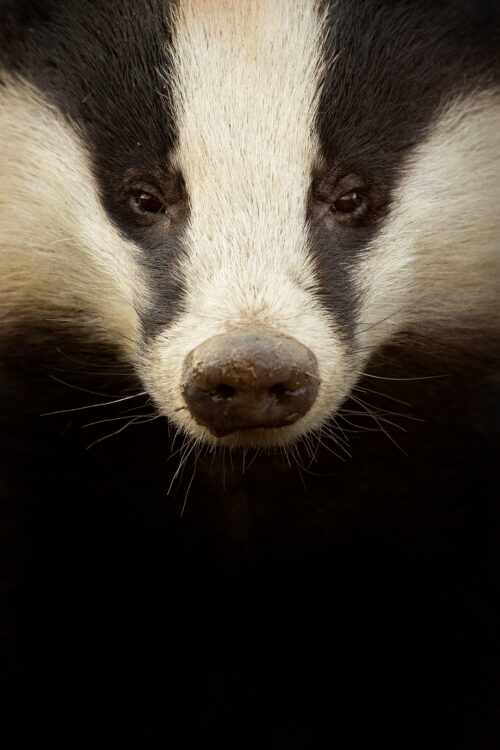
(278, 390)
(222, 391)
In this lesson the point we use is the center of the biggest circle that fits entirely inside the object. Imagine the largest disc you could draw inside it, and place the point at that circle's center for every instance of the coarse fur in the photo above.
(241, 158)
(313, 575)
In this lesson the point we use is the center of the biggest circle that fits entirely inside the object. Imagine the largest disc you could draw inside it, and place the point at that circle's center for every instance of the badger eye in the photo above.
(348, 203)
(147, 203)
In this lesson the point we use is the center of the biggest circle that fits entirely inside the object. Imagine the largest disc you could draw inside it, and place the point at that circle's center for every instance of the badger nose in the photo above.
(243, 381)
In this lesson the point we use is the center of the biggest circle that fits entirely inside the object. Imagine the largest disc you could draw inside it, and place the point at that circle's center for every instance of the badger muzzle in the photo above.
(252, 380)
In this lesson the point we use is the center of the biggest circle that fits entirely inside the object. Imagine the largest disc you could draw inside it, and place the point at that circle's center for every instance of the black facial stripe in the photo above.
(163, 265)
(392, 68)
(101, 63)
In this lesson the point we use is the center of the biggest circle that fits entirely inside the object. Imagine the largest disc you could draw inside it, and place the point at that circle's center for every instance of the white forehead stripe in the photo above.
(245, 91)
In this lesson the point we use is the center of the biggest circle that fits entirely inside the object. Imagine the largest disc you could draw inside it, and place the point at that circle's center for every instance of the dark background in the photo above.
(351, 603)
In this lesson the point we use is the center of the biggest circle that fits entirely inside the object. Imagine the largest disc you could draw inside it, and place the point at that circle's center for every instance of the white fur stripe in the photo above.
(245, 87)
(58, 248)
(435, 265)
(245, 84)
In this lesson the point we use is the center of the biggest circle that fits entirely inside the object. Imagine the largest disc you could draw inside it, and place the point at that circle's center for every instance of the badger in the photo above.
(275, 226)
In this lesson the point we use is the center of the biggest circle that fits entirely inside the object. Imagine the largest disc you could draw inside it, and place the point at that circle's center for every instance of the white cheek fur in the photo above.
(435, 266)
(57, 247)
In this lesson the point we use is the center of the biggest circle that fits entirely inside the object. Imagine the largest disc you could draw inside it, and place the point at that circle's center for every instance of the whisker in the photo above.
(314, 458)
(336, 424)
(376, 419)
(337, 442)
(330, 431)
(60, 351)
(150, 418)
(379, 322)
(381, 413)
(79, 388)
(306, 469)
(179, 450)
(197, 455)
(117, 432)
(94, 406)
(362, 389)
(189, 444)
(176, 435)
(149, 402)
(423, 377)
(124, 374)
(113, 419)
(373, 411)
(294, 454)
(307, 444)
(285, 453)
(257, 452)
(359, 349)
(341, 458)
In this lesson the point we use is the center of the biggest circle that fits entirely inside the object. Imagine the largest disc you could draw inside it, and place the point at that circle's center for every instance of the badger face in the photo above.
(250, 199)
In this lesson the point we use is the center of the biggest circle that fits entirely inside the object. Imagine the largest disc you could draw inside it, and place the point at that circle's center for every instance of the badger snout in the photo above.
(245, 381)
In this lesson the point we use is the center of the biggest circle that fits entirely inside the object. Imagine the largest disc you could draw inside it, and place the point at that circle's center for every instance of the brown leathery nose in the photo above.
(241, 381)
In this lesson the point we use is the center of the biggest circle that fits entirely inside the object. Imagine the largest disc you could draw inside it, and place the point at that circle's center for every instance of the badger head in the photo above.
(250, 199)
